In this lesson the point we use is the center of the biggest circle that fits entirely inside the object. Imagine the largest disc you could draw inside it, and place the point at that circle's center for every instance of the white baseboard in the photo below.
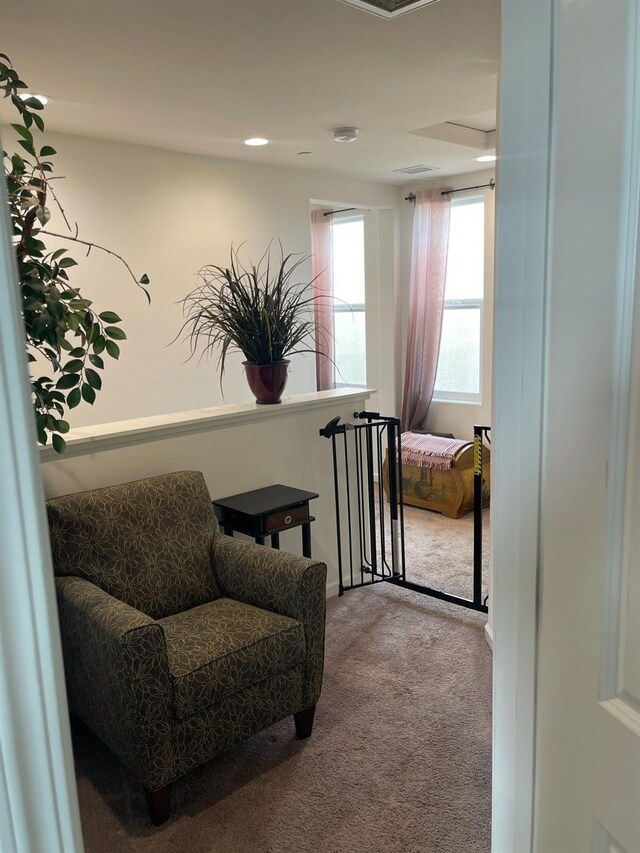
(488, 635)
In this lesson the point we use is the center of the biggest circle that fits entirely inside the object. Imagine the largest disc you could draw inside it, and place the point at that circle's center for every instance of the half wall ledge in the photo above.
(94, 439)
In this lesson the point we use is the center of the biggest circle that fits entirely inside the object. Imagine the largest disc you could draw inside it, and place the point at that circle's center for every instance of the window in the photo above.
(349, 306)
(458, 376)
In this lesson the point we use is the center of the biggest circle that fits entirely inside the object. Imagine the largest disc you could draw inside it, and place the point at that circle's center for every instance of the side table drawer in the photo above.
(286, 518)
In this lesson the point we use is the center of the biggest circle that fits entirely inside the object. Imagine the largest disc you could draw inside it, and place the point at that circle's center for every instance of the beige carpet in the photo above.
(439, 551)
(400, 757)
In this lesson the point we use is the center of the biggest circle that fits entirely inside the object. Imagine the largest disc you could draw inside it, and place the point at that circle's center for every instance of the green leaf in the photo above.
(99, 344)
(78, 352)
(144, 279)
(67, 381)
(88, 394)
(62, 426)
(73, 366)
(67, 262)
(37, 120)
(59, 444)
(113, 349)
(47, 151)
(18, 163)
(28, 147)
(73, 399)
(110, 317)
(23, 132)
(93, 378)
(43, 214)
(115, 333)
(97, 361)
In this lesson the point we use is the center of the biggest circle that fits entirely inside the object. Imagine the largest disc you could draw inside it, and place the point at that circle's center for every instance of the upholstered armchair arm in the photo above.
(280, 582)
(117, 676)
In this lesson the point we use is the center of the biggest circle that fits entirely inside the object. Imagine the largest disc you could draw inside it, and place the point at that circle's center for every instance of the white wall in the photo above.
(458, 418)
(168, 214)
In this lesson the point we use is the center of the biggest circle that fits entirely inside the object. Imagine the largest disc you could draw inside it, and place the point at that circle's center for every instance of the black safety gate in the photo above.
(372, 551)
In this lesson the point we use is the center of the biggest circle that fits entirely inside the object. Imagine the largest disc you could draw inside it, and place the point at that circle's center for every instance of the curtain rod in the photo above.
(332, 212)
(491, 185)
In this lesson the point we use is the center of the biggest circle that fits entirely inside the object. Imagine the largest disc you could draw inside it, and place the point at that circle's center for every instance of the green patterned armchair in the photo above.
(178, 641)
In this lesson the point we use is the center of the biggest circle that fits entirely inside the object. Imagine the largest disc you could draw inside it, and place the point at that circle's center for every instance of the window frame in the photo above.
(467, 397)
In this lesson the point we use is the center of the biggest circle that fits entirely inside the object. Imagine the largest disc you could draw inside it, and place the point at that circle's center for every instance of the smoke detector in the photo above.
(388, 8)
(345, 134)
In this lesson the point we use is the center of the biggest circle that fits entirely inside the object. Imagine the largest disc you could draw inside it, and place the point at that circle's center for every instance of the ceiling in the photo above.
(201, 75)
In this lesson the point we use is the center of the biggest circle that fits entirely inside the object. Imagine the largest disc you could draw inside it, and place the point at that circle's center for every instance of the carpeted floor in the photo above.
(400, 757)
(439, 551)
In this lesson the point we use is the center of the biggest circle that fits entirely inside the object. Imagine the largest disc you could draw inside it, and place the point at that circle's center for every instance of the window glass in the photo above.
(459, 363)
(458, 374)
(348, 260)
(350, 351)
(349, 308)
(465, 257)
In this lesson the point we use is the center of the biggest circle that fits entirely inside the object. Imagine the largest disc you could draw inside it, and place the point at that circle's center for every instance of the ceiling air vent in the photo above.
(416, 170)
(388, 8)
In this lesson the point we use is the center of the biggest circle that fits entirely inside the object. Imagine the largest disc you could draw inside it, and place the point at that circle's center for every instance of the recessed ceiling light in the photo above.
(345, 134)
(44, 100)
(256, 141)
(486, 158)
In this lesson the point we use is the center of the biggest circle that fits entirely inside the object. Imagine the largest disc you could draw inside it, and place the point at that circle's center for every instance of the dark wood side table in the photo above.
(267, 512)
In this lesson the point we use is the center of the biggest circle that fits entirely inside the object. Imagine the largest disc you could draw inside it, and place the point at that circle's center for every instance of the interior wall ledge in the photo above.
(83, 441)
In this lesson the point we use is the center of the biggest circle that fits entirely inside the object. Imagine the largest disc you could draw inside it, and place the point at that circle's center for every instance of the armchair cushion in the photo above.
(146, 543)
(281, 583)
(224, 646)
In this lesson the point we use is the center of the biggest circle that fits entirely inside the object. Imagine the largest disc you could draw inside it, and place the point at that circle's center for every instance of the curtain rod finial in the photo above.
(410, 197)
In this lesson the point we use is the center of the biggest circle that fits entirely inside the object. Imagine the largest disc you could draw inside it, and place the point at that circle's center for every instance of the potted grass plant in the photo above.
(260, 310)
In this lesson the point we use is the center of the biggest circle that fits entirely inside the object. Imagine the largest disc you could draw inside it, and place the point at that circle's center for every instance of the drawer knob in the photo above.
(287, 519)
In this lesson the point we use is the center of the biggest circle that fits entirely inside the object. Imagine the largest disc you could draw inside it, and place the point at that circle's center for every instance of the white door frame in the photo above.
(522, 229)
(38, 802)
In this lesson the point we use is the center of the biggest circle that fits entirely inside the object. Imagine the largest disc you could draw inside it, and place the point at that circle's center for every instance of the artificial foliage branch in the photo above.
(61, 323)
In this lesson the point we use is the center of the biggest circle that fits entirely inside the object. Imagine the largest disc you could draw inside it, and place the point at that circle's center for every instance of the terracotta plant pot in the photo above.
(267, 381)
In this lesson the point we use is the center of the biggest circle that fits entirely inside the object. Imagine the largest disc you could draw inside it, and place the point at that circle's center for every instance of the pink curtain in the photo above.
(322, 270)
(426, 303)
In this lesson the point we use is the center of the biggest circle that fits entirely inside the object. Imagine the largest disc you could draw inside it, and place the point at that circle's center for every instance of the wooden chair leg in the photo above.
(304, 722)
(159, 803)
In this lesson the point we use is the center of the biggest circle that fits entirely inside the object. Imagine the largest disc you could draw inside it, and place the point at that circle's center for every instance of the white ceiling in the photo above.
(201, 75)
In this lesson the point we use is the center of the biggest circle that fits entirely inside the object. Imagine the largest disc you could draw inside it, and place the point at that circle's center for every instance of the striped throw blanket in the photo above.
(430, 451)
